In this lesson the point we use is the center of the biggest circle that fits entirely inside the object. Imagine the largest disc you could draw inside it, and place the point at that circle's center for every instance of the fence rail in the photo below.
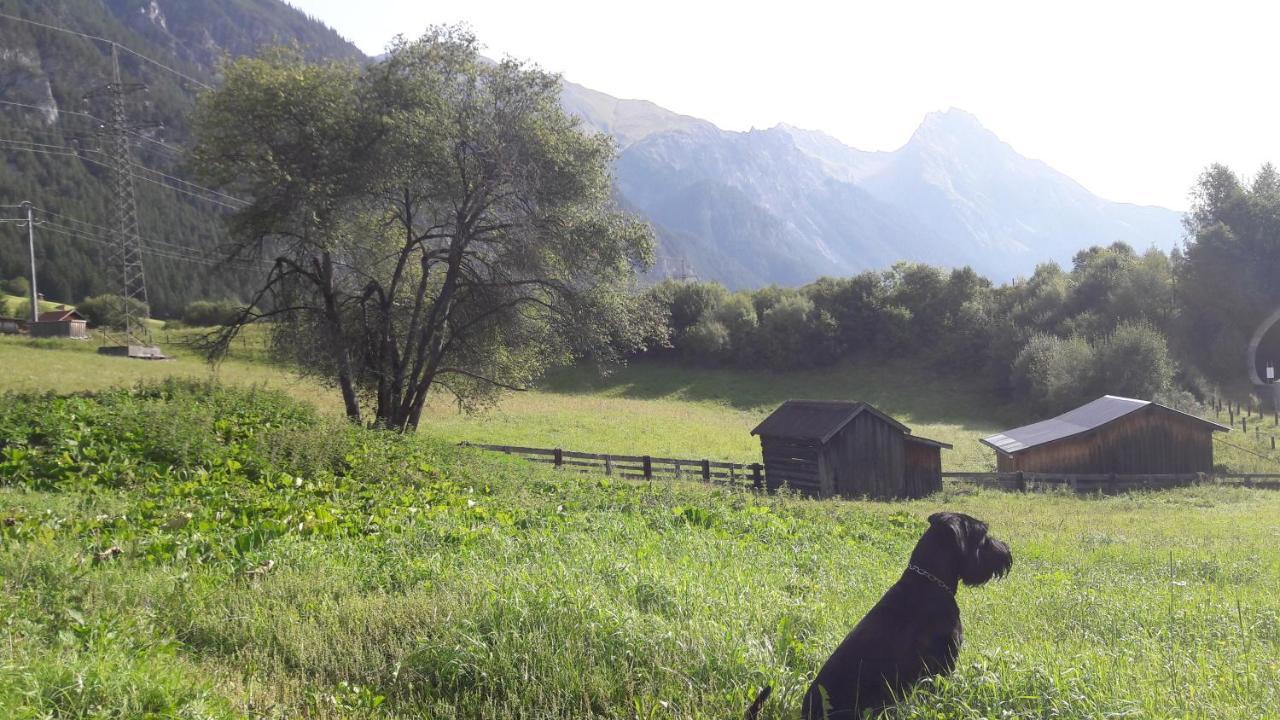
(639, 467)
(649, 467)
(1111, 482)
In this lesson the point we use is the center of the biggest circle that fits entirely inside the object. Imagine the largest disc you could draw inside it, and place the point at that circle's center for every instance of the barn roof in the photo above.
(817, 419)
(1083, 419)
(926, 441)
(60, 315)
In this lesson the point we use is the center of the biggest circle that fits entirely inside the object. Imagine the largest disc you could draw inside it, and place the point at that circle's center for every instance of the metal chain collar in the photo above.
(931, 578)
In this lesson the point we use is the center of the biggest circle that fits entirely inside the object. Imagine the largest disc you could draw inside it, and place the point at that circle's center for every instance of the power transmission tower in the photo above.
(127, 256)
(686, 273)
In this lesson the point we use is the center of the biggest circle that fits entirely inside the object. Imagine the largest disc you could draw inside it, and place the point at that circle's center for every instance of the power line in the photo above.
(171, 251)
(202, 188)
(70, 152)
(67, 218)
(56, 109)
(113, 43)
(101, 123)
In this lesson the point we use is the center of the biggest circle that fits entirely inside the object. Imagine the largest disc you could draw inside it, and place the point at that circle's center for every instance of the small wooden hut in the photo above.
(61, 323)
(1110, 435)
(850, 449)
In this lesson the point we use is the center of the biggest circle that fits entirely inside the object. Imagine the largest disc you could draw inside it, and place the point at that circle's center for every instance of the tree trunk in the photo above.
(343, 357)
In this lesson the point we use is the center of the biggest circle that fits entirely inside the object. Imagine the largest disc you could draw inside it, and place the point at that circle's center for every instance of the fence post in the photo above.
(1022, 482)
(1244, 423)
(706, 471)
(757, 477)
(608, 465)
(559, 455)
(733, 477)
(648, 467)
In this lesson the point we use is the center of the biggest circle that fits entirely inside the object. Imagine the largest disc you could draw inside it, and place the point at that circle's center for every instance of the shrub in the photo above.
(19, 286)
(1134, 361)
(108, 310)
(1053, 374)
(708, 341)
(207, 313)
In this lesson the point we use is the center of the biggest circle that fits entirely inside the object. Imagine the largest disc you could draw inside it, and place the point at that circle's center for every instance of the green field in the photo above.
(648, 408)
(275, 564)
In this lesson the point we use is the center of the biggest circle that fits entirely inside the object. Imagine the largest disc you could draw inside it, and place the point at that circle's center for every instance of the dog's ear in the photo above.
(954, 523)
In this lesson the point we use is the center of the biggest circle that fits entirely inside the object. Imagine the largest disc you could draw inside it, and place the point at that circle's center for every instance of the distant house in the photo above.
(61, 323)
(1110, 435)
(850, 449)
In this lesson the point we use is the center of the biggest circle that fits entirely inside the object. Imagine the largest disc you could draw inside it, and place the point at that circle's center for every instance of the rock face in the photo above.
(786, 205)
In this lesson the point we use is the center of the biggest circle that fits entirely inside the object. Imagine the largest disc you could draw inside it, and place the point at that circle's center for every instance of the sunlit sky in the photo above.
(1132, 99)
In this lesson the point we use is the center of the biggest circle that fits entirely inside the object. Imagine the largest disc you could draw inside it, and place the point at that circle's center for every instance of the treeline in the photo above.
(1145, 324)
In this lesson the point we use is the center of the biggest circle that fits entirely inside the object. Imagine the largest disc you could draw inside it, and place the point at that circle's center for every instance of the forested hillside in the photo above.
(51, 150)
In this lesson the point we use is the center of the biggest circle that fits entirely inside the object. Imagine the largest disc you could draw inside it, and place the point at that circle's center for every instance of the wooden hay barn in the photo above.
(827, 448)
(61, 323)
(1110, 435)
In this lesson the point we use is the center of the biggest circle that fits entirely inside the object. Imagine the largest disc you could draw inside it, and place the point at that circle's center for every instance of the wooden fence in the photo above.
(638, 467)
(647, 467)
(1039, 482)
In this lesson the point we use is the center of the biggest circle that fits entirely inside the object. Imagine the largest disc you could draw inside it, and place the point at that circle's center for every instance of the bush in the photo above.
(1134, 361)
(208, 313)
(1054, 374)
(708, 341)
(4, 307)
(108, 310)
(19, 286)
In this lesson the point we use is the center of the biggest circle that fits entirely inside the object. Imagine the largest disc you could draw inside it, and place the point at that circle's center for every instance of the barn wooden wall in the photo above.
(866, 458)
(923, 469)
(1150, 440)
(794, 463)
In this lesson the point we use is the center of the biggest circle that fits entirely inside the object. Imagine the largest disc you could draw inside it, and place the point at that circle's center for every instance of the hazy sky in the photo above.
(1133, 99)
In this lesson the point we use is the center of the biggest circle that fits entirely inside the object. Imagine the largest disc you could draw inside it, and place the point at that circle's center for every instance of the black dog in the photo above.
(914, 631)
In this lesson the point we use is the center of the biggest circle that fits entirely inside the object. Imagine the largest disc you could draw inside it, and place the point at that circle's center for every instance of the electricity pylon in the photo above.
(126, 259)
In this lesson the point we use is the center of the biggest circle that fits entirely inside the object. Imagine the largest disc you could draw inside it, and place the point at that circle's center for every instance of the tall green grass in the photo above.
(274, 564)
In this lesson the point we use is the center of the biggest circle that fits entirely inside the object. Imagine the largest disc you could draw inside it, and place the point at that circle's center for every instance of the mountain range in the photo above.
(786, 205)
(782, 205)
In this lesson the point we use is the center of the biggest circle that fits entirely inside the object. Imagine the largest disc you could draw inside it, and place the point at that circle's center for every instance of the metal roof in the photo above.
(817, 419)
(1085, 418)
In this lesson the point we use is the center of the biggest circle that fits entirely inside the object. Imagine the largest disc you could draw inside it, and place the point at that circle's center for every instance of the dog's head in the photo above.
(977, 556)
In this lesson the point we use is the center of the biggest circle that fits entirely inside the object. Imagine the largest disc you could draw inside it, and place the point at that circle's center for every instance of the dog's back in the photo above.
(903, 639)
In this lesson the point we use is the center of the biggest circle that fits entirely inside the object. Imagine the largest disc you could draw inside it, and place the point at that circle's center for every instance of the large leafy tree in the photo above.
(1227, 279)
(432, 220)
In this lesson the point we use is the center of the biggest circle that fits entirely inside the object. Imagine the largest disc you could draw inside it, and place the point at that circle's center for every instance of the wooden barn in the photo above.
(61, 323)
(850, 449)
(1110, 435)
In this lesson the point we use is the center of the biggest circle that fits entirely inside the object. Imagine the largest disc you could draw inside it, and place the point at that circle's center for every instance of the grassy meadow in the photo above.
(648, 407)
(200, 551)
